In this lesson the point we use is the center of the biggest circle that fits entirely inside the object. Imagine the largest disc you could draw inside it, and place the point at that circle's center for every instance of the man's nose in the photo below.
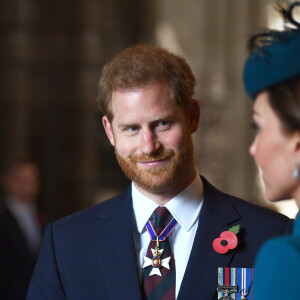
(149, 142)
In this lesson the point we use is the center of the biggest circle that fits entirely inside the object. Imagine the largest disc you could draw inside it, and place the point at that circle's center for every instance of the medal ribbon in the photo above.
(227, 276)
(240, 277)
(244, 282)
(164, 234)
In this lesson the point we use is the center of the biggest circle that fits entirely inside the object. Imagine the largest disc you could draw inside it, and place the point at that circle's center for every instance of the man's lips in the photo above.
(154, 163)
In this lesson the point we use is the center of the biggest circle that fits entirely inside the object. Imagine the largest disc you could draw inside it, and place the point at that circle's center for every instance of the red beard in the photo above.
(157, 179)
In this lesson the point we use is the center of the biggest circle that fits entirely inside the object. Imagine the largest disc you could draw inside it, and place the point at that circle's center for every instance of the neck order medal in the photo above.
(157, 262)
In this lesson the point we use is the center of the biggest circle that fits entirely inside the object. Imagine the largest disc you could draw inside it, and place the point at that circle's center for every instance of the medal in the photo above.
(244, 281)
(226, 290)
(235, 283)
(156, 261)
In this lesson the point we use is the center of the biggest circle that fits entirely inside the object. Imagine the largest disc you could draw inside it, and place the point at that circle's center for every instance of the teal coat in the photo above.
(277, 274)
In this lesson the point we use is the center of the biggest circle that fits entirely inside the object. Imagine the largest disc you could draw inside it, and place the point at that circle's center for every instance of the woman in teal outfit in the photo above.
(272, 80)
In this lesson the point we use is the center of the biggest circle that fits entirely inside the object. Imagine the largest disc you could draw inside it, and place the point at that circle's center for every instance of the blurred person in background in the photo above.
(20, 228)
(272, 79)
(165, 236)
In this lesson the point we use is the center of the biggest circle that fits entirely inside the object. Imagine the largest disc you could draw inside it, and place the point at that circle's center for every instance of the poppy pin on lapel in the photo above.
(227, 240)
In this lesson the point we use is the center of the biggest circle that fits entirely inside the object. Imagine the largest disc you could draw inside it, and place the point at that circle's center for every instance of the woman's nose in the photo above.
(252, 148)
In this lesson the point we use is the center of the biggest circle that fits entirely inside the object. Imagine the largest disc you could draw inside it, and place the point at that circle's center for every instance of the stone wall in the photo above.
(212, 35)
(51, 54)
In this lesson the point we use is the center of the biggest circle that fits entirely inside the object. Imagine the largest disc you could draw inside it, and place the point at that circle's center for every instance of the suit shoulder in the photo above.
(104, 209)
(260, 223)
(245, 206)
(262, 218)
(254, 216)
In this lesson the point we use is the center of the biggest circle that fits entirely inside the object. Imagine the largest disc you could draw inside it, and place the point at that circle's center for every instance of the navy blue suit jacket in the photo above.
(91, 254)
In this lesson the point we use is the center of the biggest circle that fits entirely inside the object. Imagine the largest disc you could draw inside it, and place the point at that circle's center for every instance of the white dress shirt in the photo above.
(185, 208)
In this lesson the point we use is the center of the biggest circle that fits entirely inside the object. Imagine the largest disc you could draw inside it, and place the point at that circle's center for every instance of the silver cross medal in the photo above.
(156, 262)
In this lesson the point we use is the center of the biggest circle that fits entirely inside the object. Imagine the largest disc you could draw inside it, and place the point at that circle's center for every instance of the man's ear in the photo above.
(194, 115)
(108, 129)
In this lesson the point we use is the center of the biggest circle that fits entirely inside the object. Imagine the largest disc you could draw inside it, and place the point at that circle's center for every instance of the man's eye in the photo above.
(133, 128)
(163, 123)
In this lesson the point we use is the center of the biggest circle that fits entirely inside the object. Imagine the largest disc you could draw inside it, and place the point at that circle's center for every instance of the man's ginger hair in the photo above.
(141, 65)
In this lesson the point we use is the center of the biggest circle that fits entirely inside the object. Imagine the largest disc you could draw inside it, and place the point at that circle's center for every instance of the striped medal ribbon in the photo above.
(159, 274)
(164, 234)
(235, 283)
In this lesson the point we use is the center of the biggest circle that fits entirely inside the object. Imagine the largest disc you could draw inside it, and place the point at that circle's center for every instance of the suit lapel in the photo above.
(119, 257)
(15, 233)
(201, 277)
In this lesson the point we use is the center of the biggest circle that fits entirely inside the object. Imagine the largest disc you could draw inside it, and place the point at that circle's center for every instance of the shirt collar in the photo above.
(184, 207)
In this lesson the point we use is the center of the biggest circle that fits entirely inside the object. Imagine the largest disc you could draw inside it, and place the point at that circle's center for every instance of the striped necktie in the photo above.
(158, 280)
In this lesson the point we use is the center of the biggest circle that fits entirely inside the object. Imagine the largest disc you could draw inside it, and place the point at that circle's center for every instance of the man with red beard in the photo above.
(160, 238)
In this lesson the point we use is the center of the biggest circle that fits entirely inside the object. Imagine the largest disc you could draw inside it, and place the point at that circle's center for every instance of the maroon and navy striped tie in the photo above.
(157, 287)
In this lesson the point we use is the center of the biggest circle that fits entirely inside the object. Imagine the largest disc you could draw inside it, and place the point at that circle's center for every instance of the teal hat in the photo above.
(276, 62)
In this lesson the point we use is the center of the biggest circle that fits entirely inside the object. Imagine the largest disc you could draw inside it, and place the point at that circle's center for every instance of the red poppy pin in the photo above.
(227, 240)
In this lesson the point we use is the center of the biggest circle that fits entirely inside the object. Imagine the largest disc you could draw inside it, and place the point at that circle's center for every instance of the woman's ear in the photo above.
(296, 146)
(194, 115)
(108, 129)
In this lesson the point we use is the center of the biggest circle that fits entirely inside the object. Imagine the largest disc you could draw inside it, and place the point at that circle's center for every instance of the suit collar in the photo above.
(117, 206)
(115, 231)
(216, 215)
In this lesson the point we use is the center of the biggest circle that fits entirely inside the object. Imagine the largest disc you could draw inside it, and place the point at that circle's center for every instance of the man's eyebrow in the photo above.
(126, 124)
(158, 119)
